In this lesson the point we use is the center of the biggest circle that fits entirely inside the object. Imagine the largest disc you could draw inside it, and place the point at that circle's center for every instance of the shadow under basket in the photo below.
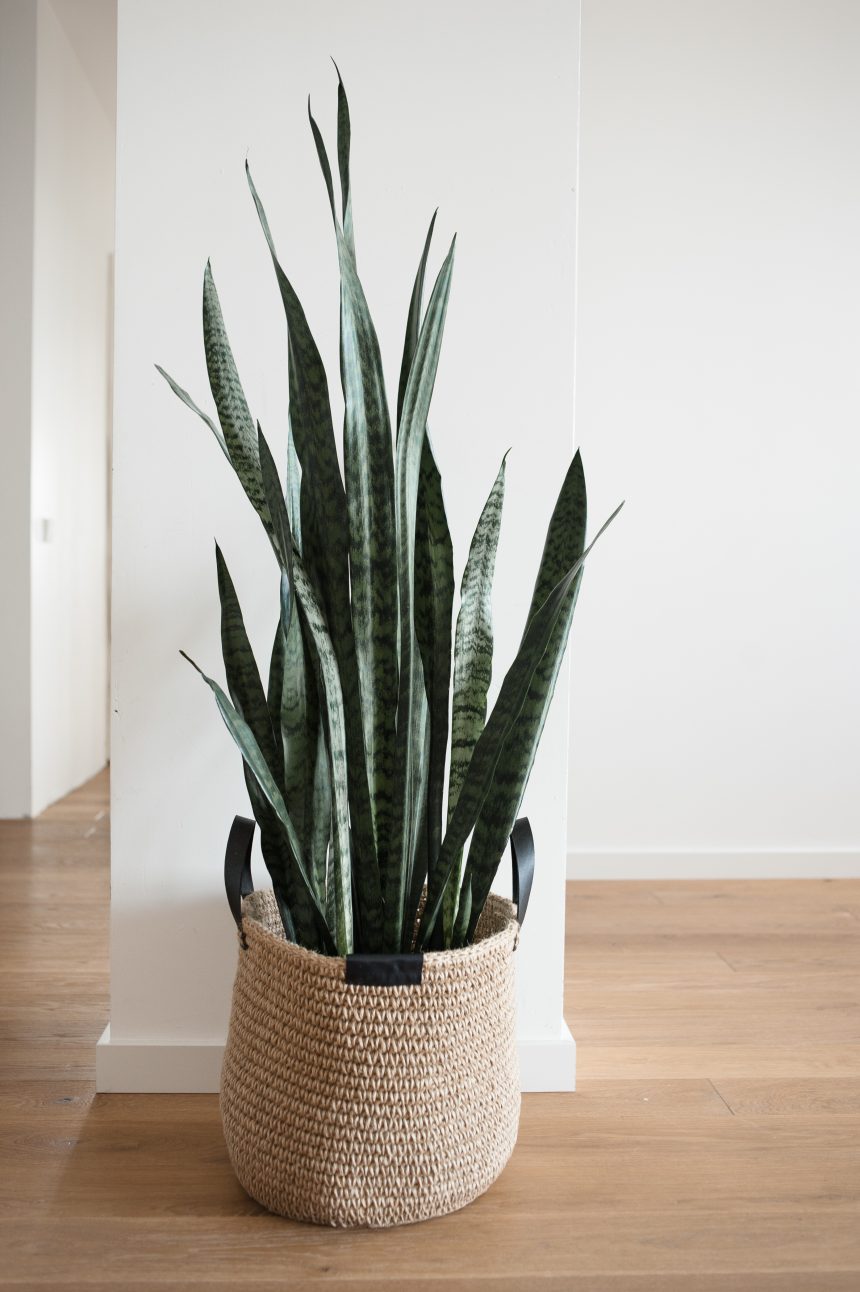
(371, 1090)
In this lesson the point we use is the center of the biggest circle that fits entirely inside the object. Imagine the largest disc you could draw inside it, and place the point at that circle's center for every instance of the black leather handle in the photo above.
(237, 866)
(523, 863)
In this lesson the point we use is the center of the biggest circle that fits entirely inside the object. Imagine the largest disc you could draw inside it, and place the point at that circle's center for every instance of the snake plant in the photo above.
(345, 748)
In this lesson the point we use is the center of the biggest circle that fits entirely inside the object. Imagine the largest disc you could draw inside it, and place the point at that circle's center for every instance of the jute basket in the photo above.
(375, 1090)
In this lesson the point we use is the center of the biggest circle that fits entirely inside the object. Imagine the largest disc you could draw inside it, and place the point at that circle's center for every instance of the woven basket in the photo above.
(349, 1101)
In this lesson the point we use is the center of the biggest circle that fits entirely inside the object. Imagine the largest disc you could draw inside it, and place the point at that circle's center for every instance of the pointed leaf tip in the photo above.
(191, 662)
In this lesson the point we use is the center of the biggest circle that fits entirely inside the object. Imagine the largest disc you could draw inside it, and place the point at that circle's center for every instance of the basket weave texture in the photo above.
(352, 1105)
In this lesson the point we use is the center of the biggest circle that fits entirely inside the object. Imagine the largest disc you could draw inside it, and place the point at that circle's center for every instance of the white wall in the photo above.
(716, 706)
(17, 159)
(70, 412)
(435, 120)
(56, 144)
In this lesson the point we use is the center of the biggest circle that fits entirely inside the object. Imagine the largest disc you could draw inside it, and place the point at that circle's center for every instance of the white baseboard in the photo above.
(131, 1067)
(150, 1068)
(548, 1064)
(756, 863)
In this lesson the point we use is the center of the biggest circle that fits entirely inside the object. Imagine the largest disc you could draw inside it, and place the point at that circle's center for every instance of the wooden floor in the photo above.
(714, 1141)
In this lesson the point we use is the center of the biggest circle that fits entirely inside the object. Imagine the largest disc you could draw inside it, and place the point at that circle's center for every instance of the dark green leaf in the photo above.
(250, 751)
(416, 405)
(565, 542)
(434, 602)
(325, 546)
(485, 757)
(413, 321)
(294, 490)
(370, 507)
(240, 433)
(332, 712)
(282, 540)
(189, 402)
(473, 664)
(343, 141)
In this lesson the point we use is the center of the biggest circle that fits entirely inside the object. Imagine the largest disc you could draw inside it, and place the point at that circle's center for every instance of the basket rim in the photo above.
(335, 966)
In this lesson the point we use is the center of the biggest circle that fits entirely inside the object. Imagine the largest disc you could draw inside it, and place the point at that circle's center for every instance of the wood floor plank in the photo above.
(261, 1246)
(713, 1144)
(810, 1096)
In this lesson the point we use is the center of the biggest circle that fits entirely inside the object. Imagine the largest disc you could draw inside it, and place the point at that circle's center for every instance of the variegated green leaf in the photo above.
(416, 405)
(250, 751)
(294, 490)
(240, 667)
(189, 403)
(485, 756)
(413, 321)
(344, 134)
(240, 433)
(564, 544)
(251, 702)
(473, 641)
(325, 544)
(434, 605)
(332, 712)
(369, 472)
(415, 879)
(282, 539)
(473, 665)
(246, 692)
(434, 600)
(320, 831)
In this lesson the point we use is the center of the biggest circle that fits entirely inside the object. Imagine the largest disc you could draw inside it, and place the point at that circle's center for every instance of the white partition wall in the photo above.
(471, 107)
(716, 711)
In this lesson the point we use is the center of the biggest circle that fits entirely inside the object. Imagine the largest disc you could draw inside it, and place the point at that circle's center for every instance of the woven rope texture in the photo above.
(368, 1105)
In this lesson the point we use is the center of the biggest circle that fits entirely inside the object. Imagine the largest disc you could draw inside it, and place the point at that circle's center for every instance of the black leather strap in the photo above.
(523, 862)
(381, 970)
(237, 867)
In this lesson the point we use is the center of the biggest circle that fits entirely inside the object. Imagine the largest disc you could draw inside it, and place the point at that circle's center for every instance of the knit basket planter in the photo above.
(371, 1090)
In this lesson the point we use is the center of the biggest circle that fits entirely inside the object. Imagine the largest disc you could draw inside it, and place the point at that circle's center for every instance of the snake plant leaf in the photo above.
(416, 405)
(473, 664)
(565, 542)
(189, 403)
(434, 608)
(434, 604)
(240, 433)
(332, 712)
(294, 490)
(473, 641)
(413, 320)
(293, 706)
(320, 831)
(283, 909)
(282, 540)
(252, 754)
(249, 698)
(488, 747)
(420, 865)
(287, 884)
(325, 544)
(344, 136)
(434, 601)
(243, 678)
(369, 472)
(323, 160)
